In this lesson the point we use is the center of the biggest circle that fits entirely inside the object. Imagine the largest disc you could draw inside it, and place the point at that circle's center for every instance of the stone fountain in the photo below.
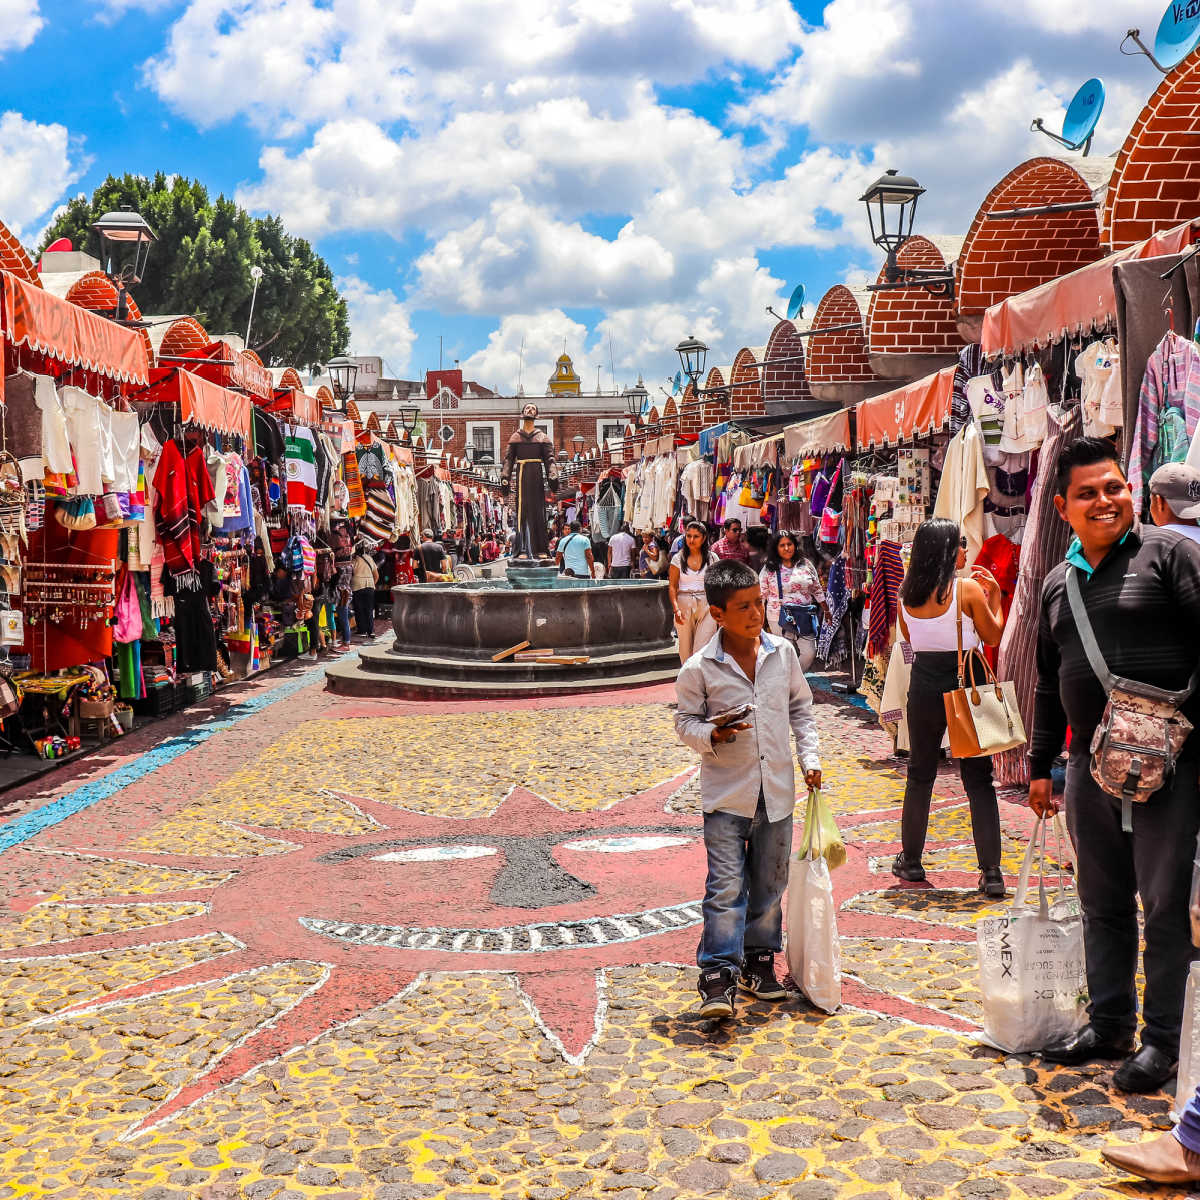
(447, 633)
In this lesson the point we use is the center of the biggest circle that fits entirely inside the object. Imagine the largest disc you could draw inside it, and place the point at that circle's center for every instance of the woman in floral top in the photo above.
(801, 585)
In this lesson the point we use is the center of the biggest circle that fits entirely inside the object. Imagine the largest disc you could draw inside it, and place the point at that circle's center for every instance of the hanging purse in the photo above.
(77, 513)
(12, 627)
(1141, 731)
(982, 719)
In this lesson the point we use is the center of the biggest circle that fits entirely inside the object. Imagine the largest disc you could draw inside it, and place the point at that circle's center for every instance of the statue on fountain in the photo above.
(529, 469)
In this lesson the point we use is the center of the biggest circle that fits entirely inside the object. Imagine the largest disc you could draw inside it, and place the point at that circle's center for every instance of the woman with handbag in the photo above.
(938, 613)
(791, 592)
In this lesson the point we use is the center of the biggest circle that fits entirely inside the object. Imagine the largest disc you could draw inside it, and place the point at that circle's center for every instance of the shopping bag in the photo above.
(1031, 965)
(820, 826)
(1188, 1077)
(814, 954)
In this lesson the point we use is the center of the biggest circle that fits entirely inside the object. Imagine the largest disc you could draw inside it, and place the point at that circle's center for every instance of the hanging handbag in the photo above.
(829, 531)
(76, 513)
(12, 627)
(982, 719)
(795, 620)
(1141, 731)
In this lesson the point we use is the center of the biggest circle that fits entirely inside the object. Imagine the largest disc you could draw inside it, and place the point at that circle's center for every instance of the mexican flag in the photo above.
(300, 451)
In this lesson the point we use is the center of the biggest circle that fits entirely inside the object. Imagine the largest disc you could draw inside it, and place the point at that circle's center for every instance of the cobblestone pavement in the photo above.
(325, 948)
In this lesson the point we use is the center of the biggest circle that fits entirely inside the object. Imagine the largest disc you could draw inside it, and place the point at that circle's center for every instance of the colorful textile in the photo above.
(1172, 381)
(838, 595)
(970, 364)
(300, 452)
(885, 593)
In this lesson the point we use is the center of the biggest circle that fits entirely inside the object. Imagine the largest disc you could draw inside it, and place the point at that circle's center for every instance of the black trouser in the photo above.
(621, 572)
(1155, 862)
(363, 602)
(934, 673)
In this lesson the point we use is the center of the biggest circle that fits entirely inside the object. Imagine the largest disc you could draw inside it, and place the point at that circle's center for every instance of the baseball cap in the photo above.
(1179, 485)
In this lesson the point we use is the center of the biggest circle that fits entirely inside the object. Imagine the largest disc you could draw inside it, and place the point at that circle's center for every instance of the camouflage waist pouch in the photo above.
(1142, 730)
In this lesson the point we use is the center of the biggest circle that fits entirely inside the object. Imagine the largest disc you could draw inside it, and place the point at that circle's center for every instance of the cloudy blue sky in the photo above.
(616, 173)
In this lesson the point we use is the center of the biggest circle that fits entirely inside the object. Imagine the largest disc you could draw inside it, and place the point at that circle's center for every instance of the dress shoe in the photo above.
(991, 884)
(1146, 1071)
(1084, 1045)
(908, 870)
(1161, 1160)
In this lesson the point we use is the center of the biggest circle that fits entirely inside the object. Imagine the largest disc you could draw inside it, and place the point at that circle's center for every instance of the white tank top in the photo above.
(937, 633)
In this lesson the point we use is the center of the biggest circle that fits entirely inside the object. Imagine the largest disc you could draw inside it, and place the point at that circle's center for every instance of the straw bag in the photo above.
(982, 720)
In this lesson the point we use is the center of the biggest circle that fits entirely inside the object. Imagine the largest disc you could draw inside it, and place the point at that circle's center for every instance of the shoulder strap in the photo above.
(779, 582)
(1086, 634)
(958, 630)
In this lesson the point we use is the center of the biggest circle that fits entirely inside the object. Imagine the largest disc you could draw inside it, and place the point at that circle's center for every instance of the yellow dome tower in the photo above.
(564, 381)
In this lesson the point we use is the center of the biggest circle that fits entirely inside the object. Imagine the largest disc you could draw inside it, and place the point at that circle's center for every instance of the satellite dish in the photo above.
(795, 306)
(1083, 114)
(1178, 35)
(676, 383)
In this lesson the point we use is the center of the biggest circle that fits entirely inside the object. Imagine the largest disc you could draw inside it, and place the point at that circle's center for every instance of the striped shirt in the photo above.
(1143, 600)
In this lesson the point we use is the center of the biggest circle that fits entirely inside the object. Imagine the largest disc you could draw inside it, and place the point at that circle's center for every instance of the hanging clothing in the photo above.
(89, 426)
(1044, 544)
(1098, 366)
(837, 593)
(126, 447)
(1168, 412)
(985, 396)
(964, 487)
(300, 450)
(886, 577)
(970, 365)
(1025, 411)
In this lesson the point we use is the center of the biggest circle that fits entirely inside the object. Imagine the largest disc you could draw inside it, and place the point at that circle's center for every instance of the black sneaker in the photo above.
(910, 872)
(991, 884)
(717, 992)
(758, 976)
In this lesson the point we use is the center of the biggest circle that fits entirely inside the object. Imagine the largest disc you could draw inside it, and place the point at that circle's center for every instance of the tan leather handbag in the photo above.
(982, 718)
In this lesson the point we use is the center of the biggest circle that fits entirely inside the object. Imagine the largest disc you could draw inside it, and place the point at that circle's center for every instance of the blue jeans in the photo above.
(747, 875)
(343, 621)
(1187, 1132)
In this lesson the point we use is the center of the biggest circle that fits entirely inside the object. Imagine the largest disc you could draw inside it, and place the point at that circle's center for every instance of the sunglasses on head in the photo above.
(962, 542)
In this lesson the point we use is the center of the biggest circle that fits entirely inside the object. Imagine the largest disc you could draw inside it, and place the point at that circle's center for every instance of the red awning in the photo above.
(300, 405)
(35, 318)
(919, 408)
(234, 369)
(1076, 303)
(200, 402)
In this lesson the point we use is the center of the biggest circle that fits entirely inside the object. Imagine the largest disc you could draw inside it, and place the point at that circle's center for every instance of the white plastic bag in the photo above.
(1031, 967)
(814, 954)
(1188, 1078)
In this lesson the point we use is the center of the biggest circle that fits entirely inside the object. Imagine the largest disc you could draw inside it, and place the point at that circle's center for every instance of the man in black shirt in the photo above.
(1141, 590)
(433, 556)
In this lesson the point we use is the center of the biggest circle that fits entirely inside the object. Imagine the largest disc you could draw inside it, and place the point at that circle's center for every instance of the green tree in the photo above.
(201, 263)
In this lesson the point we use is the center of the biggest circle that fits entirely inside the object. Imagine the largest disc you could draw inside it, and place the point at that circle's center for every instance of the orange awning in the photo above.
(35, 318)
(201, 402)
(821, 435)
(233, 368)
(1072, 304)
(919, 408)
(300, 405)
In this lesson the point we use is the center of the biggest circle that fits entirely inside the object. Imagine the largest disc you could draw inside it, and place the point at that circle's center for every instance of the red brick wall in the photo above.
(747, 386)
(787, 382)
(838, 357)
(1001, 258)
(1156, 182)
(15, 258)
(96, 291)
(187, 335)
(670, 418)
(691, 415)
(910, 320)
(716, 408)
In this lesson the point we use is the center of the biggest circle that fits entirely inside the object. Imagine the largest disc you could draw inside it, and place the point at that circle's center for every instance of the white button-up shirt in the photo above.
(733, 773)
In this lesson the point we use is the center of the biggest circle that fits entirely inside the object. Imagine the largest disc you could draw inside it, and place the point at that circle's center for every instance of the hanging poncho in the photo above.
(301, 454)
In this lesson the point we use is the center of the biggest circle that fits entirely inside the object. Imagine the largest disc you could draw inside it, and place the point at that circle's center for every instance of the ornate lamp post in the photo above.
(125, 240)
(343, 372)
(891, 209)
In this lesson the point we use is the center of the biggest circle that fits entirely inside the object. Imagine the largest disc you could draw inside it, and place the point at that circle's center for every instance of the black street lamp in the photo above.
(125, 240)
(636, 399)
(409, 416)
(343, 373)
(891, 209)
(692, 354)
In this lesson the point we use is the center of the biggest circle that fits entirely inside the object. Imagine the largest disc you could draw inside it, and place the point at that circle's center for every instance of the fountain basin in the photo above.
(447, 634)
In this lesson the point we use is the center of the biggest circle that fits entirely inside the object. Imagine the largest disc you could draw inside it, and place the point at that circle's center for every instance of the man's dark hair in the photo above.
(576, 526)
(1083, 452)
(726, 577)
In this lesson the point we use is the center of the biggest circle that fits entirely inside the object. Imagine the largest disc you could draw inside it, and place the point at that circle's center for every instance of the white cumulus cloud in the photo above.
(379, 322)
(39, 165)
(20, 22)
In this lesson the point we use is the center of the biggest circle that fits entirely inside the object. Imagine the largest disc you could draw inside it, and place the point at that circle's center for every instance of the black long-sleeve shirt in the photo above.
(1144, 604)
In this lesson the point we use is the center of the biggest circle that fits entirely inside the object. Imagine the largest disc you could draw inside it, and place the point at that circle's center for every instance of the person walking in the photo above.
(747, 785)
(732, 544)
(620, 554)
(1140, 588)
(694, 624)
(574, 553)
(790, 582)
(363, 576)
(935, 607)
(1175, 499)
(653, 559)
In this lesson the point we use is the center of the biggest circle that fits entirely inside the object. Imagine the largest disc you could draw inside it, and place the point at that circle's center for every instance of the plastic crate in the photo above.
(158, 701)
